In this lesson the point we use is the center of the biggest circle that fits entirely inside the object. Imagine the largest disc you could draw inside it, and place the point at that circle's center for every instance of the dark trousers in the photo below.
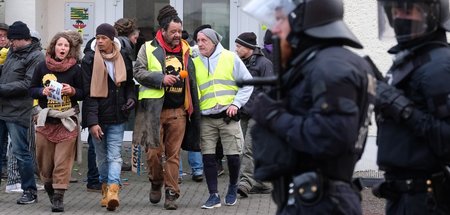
(92, 174)
(3, 148)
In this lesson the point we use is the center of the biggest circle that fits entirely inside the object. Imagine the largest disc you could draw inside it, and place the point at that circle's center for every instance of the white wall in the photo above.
(361, 16)
(23, 10)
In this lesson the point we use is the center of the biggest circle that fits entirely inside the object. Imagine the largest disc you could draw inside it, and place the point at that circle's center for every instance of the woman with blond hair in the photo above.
(56, 121)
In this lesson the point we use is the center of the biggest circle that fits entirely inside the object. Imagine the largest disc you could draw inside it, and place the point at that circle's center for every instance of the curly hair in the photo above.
(73, 52)
(77, 41)
(125, 26)
(166, 15)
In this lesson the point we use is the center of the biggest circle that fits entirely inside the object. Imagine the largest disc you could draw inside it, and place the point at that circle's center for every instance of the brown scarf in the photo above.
(99, 81)
(59, 66)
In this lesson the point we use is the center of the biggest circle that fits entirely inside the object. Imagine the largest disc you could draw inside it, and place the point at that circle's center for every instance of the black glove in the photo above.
(391, 102)
(265, 109)
(129, 105)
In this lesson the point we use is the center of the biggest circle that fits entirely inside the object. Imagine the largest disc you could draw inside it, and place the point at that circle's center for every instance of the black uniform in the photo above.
(326, 103)
(414, 144)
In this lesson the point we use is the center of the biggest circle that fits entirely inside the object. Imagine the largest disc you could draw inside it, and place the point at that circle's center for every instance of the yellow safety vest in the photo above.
(218, 88)
(153, 65)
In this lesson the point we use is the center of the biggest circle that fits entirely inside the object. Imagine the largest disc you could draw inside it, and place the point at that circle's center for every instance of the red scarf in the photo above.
(160, 39)
(59, 66)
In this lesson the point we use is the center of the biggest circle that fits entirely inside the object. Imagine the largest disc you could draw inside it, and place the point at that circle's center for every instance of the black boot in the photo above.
(58, 201)
(50, 191)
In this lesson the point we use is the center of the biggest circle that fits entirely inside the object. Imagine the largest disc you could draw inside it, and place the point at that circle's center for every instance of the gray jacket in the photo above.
(15, 103)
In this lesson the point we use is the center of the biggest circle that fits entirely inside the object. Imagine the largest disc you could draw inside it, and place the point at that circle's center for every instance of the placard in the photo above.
(80, 17)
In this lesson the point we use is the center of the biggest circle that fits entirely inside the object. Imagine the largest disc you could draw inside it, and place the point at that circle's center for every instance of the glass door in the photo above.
(213, 12)
(145, 13)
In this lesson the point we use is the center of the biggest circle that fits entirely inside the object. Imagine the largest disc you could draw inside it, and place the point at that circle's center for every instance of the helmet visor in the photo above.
(406, 21)
(268, 11)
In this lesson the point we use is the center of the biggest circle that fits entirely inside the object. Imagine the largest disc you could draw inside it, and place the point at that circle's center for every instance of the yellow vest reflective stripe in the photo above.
(153, 65)
(218, 88)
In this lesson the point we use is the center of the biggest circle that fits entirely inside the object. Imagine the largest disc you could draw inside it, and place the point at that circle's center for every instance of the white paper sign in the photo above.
(56, 93)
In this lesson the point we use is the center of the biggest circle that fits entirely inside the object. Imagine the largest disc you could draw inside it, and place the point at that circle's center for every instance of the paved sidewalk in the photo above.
(134, 197)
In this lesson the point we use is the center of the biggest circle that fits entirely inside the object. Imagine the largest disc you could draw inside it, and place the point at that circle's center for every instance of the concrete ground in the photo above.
(134, 197)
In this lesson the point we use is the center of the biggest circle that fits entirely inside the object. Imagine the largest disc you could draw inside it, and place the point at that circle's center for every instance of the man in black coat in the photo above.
(258, 66)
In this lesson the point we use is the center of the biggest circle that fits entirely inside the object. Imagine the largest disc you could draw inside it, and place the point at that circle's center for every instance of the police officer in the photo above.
(322, 115)
(413, 108)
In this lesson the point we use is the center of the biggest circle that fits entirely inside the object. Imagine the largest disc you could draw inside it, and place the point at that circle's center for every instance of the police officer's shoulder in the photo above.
(338, 62)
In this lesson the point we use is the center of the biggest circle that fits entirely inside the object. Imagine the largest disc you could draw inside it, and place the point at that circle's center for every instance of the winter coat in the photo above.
(258, 66)
(15, 102)
(105, 110)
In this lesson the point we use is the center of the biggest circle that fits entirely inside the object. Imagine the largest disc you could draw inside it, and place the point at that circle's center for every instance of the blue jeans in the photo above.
(108, 151)
(196, 162)
(20, 149)
(92, 174)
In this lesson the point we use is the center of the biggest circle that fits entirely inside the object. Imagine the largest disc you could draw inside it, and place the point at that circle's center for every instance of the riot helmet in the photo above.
(321, 19)
(407, 20)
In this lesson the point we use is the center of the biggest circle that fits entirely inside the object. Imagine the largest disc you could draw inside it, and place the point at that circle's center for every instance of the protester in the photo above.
(110, 97)
(168, 115)
(57, 118)
(220, 99)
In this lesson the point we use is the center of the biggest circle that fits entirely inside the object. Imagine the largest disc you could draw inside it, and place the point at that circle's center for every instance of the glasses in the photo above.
(3, 37)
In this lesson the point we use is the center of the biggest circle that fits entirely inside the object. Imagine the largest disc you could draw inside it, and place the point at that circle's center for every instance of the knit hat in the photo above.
(268, 37)
(247, 39)
(4, 26)
(18, 30)
(212, 35)
(199, 28)
(107, 30)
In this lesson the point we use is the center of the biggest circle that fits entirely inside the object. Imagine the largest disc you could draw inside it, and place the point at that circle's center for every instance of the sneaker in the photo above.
(171, 198)
(231, 197)
(212, 202)
(243, 191)
(155, 193)
(13, 188)
(96, 188)
(39, 186)
(260, 190)
(126, 167)
(197, 178)
(28, 197)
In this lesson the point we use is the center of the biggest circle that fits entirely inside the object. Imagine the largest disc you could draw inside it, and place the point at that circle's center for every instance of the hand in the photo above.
(170, 80)
(390, 102)
(96, 132)
(47, 91)
(67, 90)
(129, 105)
(232, 110)
(265, 109)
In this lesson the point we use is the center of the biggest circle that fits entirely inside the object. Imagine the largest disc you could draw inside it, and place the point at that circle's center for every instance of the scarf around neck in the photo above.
(59, 66)
(99, 81)
(160, 39)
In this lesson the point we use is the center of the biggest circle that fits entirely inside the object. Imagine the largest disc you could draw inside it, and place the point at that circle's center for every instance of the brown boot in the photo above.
(155, 193)
(113, 197)
(58, 201)
(171, 198)
(50, 191)
(104, 200)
